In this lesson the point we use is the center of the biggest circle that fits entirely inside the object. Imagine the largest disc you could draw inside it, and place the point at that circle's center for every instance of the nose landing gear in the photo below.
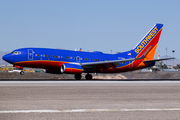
(22, 73)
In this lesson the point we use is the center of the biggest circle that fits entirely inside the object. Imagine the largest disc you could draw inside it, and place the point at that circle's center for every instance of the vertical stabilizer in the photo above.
(147, 46)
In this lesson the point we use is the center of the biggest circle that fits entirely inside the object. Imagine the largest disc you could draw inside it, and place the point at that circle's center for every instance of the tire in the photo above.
(88, 77)
(22, 73)
(77, 76)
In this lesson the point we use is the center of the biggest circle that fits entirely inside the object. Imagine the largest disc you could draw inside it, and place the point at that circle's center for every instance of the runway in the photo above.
(37, 100)
(91, 83)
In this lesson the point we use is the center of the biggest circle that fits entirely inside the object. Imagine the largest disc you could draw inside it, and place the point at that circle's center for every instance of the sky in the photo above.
(93, 25)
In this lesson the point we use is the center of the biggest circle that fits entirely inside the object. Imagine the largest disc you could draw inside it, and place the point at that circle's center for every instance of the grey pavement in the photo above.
(79, 100)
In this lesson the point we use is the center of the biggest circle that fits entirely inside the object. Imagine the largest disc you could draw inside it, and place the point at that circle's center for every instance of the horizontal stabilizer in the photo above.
(157, 60)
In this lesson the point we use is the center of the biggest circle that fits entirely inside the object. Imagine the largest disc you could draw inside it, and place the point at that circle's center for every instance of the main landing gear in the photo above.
(88, 76)
(78, 76)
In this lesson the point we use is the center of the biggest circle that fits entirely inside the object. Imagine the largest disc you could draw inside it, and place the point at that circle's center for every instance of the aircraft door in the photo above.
(30, 54)
(78, 59)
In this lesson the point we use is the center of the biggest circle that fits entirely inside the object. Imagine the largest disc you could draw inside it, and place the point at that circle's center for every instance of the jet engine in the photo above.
(71, 68)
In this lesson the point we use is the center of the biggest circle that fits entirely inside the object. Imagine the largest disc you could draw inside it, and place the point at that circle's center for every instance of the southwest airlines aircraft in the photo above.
(76, 62)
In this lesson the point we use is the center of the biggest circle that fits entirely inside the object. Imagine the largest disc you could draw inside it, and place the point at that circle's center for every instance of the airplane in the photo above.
(77, 62)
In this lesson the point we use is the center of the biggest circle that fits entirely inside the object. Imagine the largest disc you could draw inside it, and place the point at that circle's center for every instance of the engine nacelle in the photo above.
(71, 68)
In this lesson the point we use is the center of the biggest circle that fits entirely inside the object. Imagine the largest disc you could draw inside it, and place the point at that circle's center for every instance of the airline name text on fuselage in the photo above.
(140, 47)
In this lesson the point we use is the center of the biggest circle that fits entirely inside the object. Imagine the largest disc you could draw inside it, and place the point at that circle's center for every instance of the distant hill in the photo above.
(2, 62)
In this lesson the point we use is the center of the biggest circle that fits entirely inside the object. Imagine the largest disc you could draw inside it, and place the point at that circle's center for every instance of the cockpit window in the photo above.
(16, 52)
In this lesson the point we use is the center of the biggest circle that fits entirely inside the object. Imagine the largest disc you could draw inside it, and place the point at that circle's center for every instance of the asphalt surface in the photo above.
(88, 100)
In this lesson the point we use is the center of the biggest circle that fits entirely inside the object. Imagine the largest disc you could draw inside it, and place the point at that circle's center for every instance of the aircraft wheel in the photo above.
(88, 77)
(77, 76)
(22, 72)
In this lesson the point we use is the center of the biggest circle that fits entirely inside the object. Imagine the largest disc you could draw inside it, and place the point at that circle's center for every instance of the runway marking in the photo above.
(89, 83)
(88, 110)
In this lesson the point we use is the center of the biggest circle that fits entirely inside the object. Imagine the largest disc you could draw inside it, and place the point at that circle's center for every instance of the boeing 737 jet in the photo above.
(76, 62)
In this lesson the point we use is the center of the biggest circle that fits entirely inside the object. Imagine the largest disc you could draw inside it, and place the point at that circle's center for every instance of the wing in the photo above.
(111, 63)
(114, 63)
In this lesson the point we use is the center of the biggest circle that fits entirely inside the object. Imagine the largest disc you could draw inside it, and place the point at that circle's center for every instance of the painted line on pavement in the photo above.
(87, 110)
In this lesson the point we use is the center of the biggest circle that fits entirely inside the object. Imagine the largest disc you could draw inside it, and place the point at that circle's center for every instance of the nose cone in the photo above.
(4, 57)
(7, 58)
